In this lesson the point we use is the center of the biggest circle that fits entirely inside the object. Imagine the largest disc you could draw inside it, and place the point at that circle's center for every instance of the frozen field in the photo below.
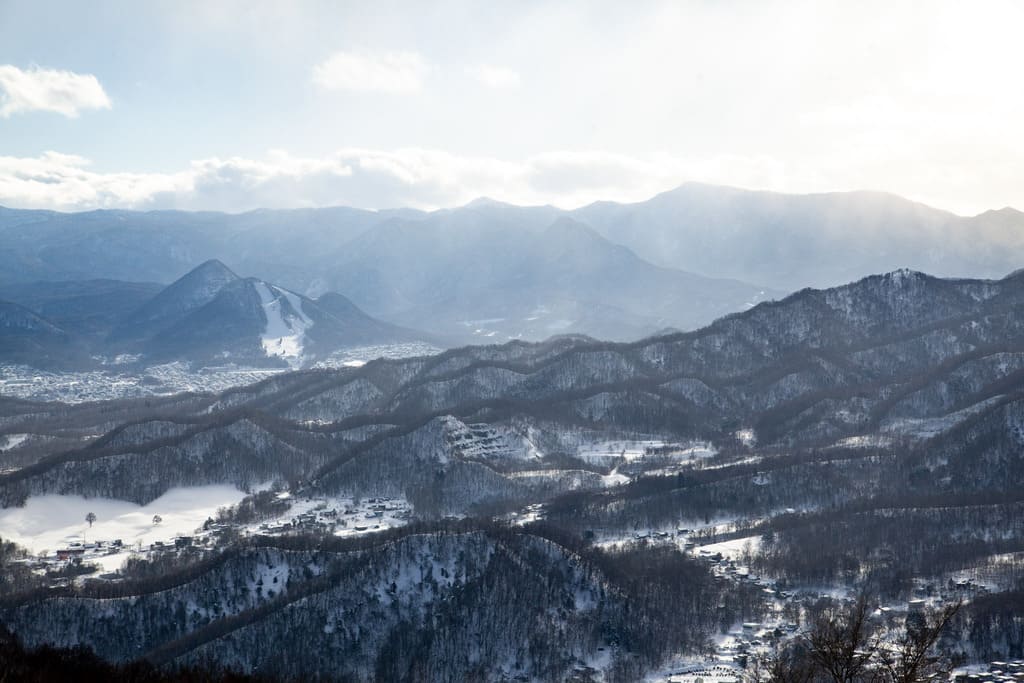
(605, 453)
(53, 521)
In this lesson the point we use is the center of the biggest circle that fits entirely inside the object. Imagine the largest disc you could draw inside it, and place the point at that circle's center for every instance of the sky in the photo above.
(233, 105)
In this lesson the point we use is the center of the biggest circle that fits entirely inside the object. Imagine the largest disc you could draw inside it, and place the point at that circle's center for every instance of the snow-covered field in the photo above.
(927, 427)
(50, 522)
(733, 549)
(605, 453)
(12, 441)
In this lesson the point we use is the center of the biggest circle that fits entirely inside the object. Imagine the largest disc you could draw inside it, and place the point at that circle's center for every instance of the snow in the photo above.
(343, 515)
(53, 521)
(733, 549)
(747, 437)
(607, 452)
(928, 427)
(117, 382)
(357, 356)
(284, 335)
(22, 381)
(863, 441)
(12, 441)
(614, 478)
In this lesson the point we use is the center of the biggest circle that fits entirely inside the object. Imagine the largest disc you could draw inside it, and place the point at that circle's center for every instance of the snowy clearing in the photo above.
(12, 441)
(928, 427)
(360, 355)
(733, 549)
(604, 453)
(285, 334)
(53, 521)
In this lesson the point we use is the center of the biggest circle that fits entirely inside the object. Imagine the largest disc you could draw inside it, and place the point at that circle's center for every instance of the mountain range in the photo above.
(891, 357)
(489, 271)
(879, 422)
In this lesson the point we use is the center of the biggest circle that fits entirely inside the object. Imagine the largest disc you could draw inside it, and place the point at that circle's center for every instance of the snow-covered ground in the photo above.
(733, 549)
(285, 333)
(605, 453)
(343, 516)
(117, 381)
(747, 437)
(360, 355)
(12, 441)
(22, 381)
(615, 478)
(51, 522)
(927, 427)
(864, 441)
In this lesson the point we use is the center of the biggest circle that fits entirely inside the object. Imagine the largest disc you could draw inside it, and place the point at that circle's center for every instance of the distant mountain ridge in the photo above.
(791, 241)
(491, 280)
(490, 271)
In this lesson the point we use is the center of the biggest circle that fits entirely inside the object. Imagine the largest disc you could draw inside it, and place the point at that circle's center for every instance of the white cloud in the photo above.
(395, 72)
(429, 178)
(494, 76)
(38, 89)
(365, 178)
(64, 181)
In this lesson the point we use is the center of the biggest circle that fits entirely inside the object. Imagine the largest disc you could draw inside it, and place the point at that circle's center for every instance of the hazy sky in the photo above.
(235, 105)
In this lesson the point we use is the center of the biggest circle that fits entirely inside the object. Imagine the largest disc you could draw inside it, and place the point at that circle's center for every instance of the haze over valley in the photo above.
(663, 342)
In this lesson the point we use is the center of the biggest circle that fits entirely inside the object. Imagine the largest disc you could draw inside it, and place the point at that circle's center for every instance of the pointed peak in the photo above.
(1005, 213)
(483, 202)
(212, 267)
(904, 274)
(900, 277)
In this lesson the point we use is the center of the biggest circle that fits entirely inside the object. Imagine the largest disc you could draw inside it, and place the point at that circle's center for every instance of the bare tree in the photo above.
(91, 517)
(843, 644)
(911, 658)
(783, 665)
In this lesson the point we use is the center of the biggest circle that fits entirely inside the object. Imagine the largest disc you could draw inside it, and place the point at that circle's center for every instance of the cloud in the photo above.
(430, 178)
(38, 89)
(394, 72)
(494, 76)
(366, 178)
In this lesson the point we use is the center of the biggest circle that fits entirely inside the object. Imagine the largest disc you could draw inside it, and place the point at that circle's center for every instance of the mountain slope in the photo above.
(86, 307)
(185, 295)
(212, 314)
(31, 339)
(491, 279)
(455, 602)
